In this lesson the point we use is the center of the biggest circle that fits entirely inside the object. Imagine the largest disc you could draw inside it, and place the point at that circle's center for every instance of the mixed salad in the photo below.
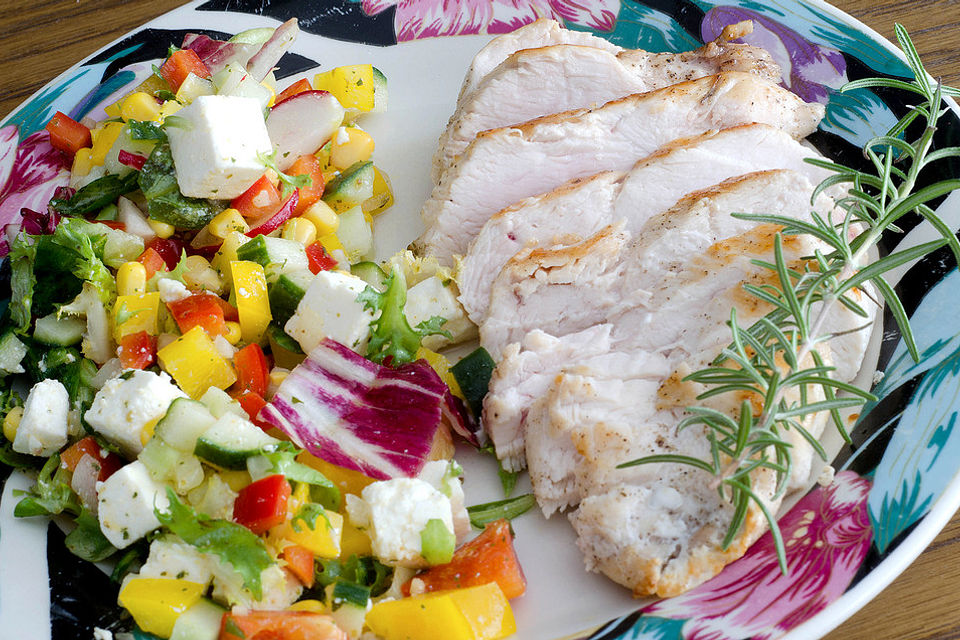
(222, 392)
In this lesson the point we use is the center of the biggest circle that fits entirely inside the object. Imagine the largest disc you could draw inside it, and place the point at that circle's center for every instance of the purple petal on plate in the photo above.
(373, 7)
(600, 15)
(827, 535)
(37, 170)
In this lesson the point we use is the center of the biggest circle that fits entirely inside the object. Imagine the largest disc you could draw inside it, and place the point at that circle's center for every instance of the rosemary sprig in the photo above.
(776, 361)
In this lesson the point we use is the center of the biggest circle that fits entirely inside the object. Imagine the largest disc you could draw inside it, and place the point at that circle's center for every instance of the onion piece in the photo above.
(84, 481)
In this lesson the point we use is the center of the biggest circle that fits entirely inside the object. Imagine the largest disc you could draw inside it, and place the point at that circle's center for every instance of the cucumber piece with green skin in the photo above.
(277, 255)
(185, 421)
(286, 293)
(371, 273)
(200, 622)
(12, 352)
(61, 332)
(379, 91)
(350, 188)
(355, 234)
(230, 441)
(220, 404)
(285, 350)
(473, 375)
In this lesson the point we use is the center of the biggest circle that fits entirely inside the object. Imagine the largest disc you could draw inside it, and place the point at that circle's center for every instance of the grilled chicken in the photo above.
(535, 82)
(504, 165)
(654, 184)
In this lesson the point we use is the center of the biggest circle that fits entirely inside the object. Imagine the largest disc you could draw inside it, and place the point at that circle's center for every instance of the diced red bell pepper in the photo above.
(262, 504)
(66, 134)
(170, 249)
(137, 350)
(318, 259)
(252, 403)
(262, 227)
(230, 312)
(300, 562)
(133, 160)
(279, 625)
(152, 262)
(308, 165)
(260, 200)
(201, 309)
(489, 557)
(180, 64)
(253, 370)
(299, 86)
(109, 461)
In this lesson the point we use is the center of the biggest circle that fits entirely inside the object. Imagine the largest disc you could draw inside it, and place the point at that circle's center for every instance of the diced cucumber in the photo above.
(126, 142)
(355, 234)
(257, 35)
(119, 246)
(286, 293)
(473, 375)
(220, 404)
(278, 256)
(348, 602)
(185, 421)
(230, 441)
(379, 91)
(233, 80)
(12, 351)
(193, 86)
(159, 458)
(200, 622)
(350, 188)
(369, 272)
(285, 350)
(62, 332)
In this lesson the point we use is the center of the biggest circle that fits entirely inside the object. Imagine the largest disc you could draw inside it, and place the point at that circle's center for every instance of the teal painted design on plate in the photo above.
(857, 116)
(641, 27)
(654, 628)
(36, 113)
(920, 459)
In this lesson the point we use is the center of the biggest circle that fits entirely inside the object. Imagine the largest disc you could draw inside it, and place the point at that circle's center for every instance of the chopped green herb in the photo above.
(510, 508)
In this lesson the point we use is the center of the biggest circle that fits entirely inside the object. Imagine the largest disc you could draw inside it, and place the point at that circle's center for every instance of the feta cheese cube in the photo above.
(215, 154)
(444, 476)
(43, 428)
(329, 309)
(172, 290)
(170, 557)
(431, 297)
(394, 513)
(125, 405)
(125, 503)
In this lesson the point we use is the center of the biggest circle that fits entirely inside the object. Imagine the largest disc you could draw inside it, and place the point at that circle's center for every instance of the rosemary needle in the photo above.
(776, 358)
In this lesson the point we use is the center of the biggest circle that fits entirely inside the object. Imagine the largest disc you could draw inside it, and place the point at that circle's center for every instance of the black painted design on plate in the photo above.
(337, 19)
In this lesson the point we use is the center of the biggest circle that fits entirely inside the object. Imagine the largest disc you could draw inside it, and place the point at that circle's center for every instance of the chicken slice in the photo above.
(582, 207)
(535, 82)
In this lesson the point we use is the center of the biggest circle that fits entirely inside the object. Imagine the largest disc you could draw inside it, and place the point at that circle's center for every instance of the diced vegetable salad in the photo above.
(225, 393)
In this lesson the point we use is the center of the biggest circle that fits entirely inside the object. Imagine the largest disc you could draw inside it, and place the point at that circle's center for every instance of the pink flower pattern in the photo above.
(415, 19)
(827, 535)
(29, 173)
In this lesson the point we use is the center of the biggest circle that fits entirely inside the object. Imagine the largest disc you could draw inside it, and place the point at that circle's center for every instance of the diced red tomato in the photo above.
(252, 369)
(262, 504)
(489, 557)
(66, 134)
(299, 561)
(269, 224)
(201, 309)
(299, 86)
(252, 403)
(280, 625)
(109, 461)
(180, 64)
(152, 262)
(170, 249)
(261, 200)
(137, 350)
(311, 166)
(318, 259)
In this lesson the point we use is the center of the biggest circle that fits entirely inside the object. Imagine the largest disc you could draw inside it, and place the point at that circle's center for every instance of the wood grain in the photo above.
(44, 37)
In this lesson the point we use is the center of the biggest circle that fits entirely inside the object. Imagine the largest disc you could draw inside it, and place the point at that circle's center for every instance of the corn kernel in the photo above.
(313, 606)
(82, 162)
(300, 230)
(131, 279)
(233, 332)
(162, 229)
(139, 106)
(12, 422)
(278, 375)
(226, 221)
(323, 217)
(357, 148)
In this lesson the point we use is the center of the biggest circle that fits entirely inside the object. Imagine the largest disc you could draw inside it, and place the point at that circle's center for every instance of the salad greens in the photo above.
(158, 182)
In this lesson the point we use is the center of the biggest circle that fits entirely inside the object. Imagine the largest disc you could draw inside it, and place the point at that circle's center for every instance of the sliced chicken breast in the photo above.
(535, 82)
(505, 165)
(582, 207)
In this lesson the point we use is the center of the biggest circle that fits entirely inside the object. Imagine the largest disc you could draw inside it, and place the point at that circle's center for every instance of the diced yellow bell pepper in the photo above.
(140, 105)
(331, 243)
(354, 542)
(103, 138)
(323, 217)
(323, 539)
(134, 313)
(228, 252)
(358, 147)
(113, 110)
(347, 480)
(352, 85)
(169, 108)
(382, 198)
(474, 613)
(441, 365)
(313, 606)
(156, 603)
(253, 305)
(82, 162)
(195, 363)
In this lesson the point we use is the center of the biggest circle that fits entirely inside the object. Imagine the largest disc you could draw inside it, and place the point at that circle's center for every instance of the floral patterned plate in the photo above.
(895, 488)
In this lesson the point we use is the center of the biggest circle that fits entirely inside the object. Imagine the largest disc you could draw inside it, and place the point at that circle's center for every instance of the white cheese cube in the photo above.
(172, 290)
(43, 428)
(215, 153)
(444, 475)
(170, 557)
(329, 309)
(125, 503)
(125, 405)
(394, 513)
(431, 297)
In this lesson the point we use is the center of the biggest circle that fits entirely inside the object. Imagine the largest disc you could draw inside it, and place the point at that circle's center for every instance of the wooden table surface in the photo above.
(43, 37)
